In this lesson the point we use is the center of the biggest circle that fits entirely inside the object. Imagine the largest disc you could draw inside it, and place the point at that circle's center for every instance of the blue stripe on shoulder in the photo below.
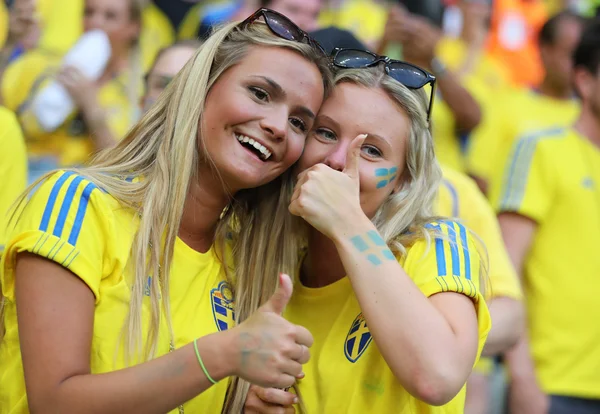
(465, 247)
(66, 206)
(453, 248)
(83, 203)
(515, 179)
(440, 255)
(52, 200)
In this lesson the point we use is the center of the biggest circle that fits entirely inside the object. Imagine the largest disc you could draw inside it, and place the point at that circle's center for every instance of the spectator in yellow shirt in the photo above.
(106, 108)
(549, 213)
(526, 112)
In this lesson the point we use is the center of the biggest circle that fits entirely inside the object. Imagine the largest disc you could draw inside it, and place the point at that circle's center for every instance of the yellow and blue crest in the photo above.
(221, 299)
(358, 339)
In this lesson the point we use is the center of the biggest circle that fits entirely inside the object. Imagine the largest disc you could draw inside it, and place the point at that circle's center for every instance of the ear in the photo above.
(583, 83)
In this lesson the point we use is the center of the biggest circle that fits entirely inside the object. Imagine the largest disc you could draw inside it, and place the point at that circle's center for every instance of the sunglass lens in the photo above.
(407, 75)
(283, 27)
(353, 59)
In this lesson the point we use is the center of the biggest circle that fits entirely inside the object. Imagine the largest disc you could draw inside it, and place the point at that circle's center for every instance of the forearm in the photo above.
(519, 361)
(507, 327)
(413, 336)
(157, 386)
(464, 108)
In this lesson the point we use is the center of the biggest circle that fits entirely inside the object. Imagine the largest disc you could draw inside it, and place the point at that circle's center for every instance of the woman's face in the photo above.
(350, 111)
(257, 115)
(113, 17)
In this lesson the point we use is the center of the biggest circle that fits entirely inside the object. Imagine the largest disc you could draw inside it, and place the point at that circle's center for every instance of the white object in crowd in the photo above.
(53, 104)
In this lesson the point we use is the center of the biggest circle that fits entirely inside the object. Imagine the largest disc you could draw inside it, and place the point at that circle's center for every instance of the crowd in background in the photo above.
(508, 111)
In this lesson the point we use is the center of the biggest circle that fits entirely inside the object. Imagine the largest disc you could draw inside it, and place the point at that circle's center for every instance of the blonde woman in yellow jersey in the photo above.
(118, 292)
(459, 197)
(549, 213)
(391, 295)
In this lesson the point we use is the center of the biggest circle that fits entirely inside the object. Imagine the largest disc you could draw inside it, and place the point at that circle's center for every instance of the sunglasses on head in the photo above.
(282, 27)
(411, 76)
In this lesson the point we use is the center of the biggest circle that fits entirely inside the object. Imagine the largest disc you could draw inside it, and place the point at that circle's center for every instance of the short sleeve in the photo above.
(450, 263)
(67, 221)
(526, 187)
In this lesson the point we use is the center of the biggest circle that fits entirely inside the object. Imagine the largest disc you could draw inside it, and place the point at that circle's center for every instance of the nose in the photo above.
(94, 21)
(336, 159)
(275, 124)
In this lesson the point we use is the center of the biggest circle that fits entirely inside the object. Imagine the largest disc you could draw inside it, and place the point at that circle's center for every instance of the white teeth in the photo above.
(261, 148)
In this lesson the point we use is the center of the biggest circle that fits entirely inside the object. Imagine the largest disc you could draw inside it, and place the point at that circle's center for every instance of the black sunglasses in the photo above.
(411, 76)
(282, 27)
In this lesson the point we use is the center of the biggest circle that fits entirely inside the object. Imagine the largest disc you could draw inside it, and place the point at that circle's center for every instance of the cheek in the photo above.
(294, 150)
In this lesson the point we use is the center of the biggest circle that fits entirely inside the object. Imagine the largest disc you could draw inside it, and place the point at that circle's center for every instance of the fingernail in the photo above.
(301, 375)
(295, 400)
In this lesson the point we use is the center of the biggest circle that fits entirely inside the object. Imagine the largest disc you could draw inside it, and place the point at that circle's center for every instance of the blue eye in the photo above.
(371, 151)
(325, 134)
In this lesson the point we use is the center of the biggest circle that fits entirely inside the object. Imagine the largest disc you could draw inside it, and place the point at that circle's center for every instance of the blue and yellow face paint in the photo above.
(386, 176)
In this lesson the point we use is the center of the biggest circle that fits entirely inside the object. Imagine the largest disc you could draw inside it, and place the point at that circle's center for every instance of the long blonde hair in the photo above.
(163, 149)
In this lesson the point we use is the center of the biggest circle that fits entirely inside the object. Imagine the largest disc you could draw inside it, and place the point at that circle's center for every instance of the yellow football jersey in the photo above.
(71, 143)
(555, 181)
(459, 197)
(13, 167)
(346, 372)
(82, 228)
(514, 113)
(157, 33)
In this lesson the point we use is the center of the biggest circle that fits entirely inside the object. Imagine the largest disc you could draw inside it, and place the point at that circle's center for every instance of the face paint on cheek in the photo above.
(386, 176)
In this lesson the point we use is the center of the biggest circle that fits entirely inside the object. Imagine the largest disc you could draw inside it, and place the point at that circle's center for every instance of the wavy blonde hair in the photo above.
(163, 149)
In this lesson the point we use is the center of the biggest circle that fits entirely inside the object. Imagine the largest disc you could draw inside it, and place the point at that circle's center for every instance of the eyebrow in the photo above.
(281, 92)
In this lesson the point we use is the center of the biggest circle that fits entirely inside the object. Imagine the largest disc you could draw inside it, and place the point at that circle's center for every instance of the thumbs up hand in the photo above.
(328, 199)
(271, 350)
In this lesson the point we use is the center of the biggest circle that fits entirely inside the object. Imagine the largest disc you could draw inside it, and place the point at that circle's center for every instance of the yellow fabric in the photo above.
(70, 144)
(346, 372)
(85, 230)
(555, 180)
(188, 28)
(514, 113)
(459, 197)
(3, 23)
(13, 167)
(61, 22)
(364, 18)
(453, 52)
(157, 33)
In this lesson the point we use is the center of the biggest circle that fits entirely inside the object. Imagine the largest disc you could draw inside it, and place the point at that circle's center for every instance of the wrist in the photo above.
(438, 67)
(217, 354)
(357, 226)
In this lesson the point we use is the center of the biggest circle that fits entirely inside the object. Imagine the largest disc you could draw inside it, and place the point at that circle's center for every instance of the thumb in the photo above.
(353, 156)
(281, 297)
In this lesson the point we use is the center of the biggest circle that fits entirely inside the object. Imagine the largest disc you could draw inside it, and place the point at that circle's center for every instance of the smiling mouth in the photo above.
(254, 146)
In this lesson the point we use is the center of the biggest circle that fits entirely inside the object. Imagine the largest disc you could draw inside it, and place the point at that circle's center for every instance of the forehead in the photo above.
(172, 60)
(298, 4)
(568, 33)
(370, 110)
(299, 78)
(119, 5)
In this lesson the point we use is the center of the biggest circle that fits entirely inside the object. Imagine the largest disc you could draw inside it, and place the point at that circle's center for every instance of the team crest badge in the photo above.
(221, 298)
(358, 339)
